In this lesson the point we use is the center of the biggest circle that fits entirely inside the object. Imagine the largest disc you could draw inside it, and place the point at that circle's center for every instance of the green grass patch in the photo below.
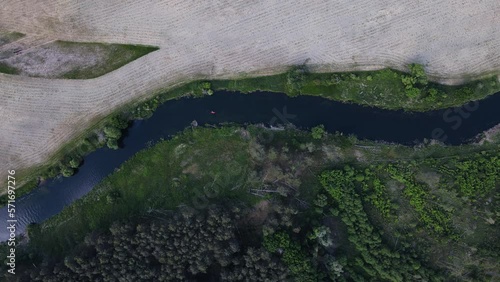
(5, 68)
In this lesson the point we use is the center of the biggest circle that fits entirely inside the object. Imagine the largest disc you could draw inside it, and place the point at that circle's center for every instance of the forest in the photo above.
(233, 204)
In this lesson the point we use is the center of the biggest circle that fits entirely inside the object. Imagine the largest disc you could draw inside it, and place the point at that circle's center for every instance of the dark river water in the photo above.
(452, 126)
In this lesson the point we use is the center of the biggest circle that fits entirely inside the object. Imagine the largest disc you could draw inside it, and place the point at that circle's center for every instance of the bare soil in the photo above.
(54, 60)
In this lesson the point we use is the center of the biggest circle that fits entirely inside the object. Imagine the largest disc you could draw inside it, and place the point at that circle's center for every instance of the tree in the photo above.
(118, 122)
(112, 143)
(318, 132)
(112, 132)
(206, 88)
(418, 72)
(408, 81)
(295, 80)
(67, 171)
(75, 162)
(413, 92)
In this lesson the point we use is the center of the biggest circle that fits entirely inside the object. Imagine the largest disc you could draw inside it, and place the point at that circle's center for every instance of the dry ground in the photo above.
(221, 38)
(58, 59)
(54, 59)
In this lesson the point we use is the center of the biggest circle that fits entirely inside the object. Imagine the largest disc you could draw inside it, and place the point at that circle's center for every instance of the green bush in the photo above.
(318, 132)
(112, 143)
(67, 171)
(295, 80)
(75, 162)
(292, 255)
(413, 92)
(112, 132)
(206, 88)
(418, 72)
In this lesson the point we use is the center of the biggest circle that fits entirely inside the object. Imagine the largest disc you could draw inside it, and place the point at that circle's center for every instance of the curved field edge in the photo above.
(353, 87)
(72, 60)
(243, 164)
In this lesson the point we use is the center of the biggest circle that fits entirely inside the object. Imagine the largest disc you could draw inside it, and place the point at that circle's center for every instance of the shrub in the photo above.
(408, 81)
(206, 88)
(74, 162)
(318, 132)
(413, 92)
(295, 79)
(418, 72)
(112, 143)
(67, 171)
(112, 132)
(118, 122)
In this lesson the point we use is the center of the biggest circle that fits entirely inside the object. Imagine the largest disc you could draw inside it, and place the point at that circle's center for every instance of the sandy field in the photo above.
(223, 38)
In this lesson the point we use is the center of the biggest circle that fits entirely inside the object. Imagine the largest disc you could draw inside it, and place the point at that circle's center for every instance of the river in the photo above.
(453, 126)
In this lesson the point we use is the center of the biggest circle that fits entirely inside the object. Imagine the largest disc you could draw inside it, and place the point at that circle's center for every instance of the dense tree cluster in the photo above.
(292, 255)
(376, 260)
(186, 246)
(433, 217)
(113, 131)
(477, 177)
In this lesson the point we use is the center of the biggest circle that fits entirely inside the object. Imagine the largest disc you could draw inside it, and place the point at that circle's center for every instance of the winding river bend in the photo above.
(452, 126)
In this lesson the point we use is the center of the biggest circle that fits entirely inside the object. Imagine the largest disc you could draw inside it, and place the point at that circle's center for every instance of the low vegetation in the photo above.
(388, 89)
(5, 68)
(290, 207)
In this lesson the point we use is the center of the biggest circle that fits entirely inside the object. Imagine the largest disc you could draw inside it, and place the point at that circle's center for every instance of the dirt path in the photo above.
(221, 38)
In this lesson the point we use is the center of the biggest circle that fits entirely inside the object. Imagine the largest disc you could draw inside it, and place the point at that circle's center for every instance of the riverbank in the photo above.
(446, 187)
(373, 88)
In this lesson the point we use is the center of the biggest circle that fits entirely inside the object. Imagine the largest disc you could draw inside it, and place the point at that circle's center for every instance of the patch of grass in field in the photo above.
(8, 37)
(5, 68)
(117, 55)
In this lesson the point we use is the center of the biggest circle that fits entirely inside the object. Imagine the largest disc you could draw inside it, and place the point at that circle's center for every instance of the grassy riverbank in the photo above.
(383, 88)
(444, 198)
